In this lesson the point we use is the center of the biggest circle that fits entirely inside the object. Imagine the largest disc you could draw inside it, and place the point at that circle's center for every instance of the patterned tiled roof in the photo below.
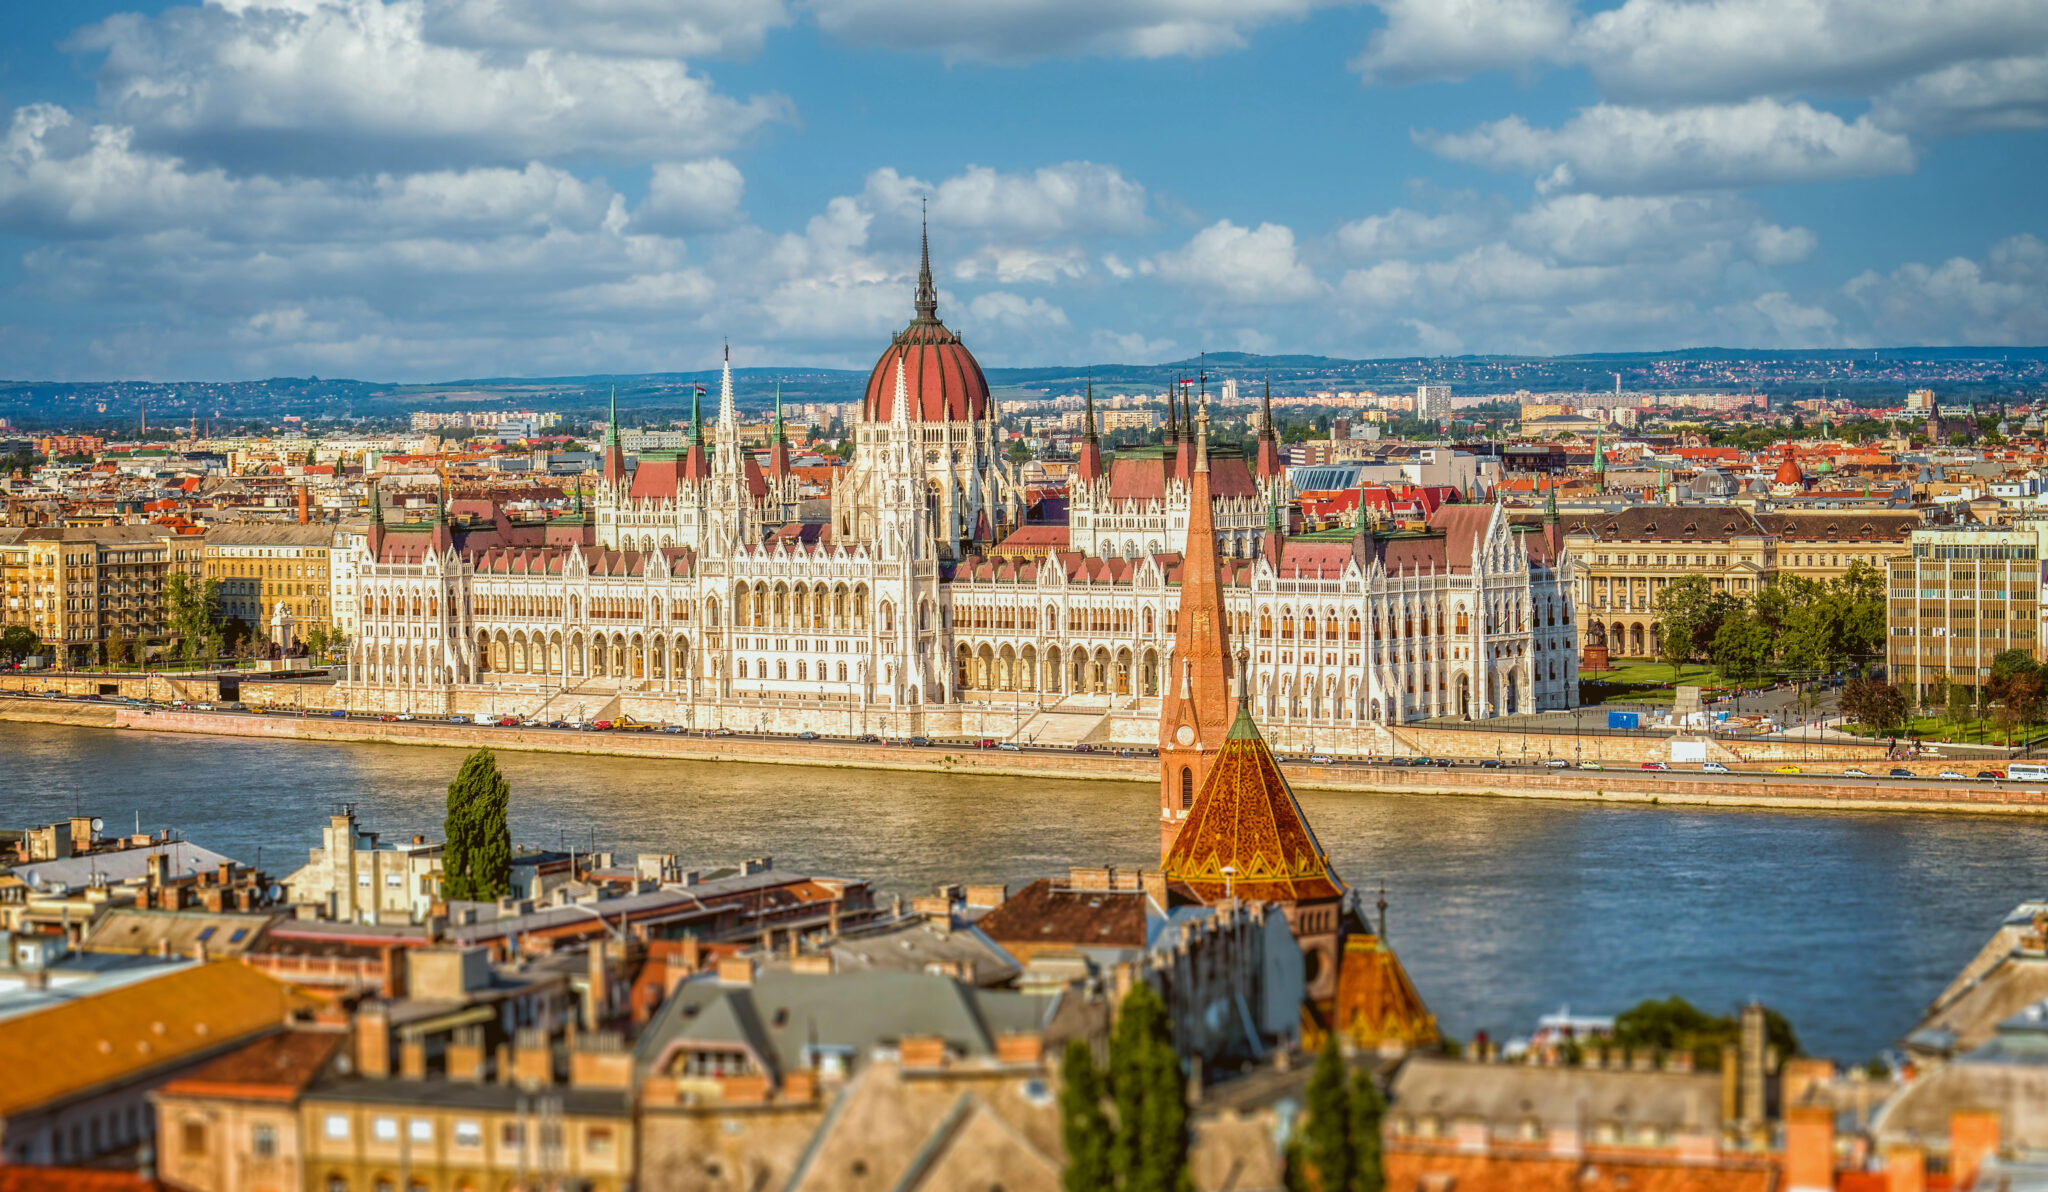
(1246, 817)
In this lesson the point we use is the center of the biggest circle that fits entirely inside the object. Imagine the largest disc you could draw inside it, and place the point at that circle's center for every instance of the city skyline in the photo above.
(428, 190)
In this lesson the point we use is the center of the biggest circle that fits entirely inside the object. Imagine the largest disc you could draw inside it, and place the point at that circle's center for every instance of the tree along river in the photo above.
(1501, 909)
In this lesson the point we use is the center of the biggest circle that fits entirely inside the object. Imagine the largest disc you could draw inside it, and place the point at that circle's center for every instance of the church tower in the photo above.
(1200, 701)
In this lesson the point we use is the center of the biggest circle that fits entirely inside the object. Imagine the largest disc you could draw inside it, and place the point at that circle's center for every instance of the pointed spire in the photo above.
(1550, 500)
(927, 300)
(1266, 409)
(376, 503)
(777, 429)
(1202, 438)
(696, 414)
(1088, 415)
(1172, 417)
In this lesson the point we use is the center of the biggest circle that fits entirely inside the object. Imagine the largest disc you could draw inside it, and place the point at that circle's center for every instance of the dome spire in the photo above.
(927, 301)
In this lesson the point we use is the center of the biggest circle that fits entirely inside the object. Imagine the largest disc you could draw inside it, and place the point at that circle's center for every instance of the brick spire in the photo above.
(1200, 701)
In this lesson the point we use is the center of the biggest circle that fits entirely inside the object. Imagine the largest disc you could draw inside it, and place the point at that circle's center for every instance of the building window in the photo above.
(384, 1129)
(597, 1140)
(337, 1126)
(421, 1130)
(263, 1141)
(512, 1135)
(469, 1134)
(193, 1138)
(1187, 788)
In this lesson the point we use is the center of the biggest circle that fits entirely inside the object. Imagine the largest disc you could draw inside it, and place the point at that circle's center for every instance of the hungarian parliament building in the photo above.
(699, 590)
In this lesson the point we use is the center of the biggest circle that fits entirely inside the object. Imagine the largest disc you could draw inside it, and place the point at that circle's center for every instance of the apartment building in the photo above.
(1625, 558)
(93, 592)
(263, 567)
(1959, 598)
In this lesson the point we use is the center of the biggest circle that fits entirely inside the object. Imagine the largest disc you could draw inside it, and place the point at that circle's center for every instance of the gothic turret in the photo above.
(1200, 699)
(1269, 466)
(1089, 463)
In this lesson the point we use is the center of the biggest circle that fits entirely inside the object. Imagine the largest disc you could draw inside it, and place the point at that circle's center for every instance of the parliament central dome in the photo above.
(941, 376)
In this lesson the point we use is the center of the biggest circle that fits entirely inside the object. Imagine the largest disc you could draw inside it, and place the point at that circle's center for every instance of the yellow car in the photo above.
(1788, 770)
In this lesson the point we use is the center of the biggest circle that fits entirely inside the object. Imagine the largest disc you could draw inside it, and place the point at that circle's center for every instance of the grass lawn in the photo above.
(1934, 729)
(1656, 674)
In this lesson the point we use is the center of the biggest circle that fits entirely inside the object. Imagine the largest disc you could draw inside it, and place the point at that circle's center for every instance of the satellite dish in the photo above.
(275, 892)
(98, 824)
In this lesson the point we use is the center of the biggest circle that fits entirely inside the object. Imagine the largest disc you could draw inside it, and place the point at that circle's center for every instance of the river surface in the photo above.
(1501, 909)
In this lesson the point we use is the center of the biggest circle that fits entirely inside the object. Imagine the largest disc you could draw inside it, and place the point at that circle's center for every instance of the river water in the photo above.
(1501, 909)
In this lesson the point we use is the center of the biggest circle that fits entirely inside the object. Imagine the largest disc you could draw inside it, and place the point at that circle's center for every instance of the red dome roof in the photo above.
(941, 376)
(1789, 473)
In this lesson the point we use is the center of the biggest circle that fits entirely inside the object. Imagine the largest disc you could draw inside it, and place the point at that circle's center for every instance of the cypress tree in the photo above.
(1084, 1128)
(1327, 1145)
(476, 863)
(1150, 1092)
(1368, 1174)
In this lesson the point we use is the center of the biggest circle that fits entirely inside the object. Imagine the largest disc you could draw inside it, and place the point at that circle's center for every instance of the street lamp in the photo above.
(1229, 872)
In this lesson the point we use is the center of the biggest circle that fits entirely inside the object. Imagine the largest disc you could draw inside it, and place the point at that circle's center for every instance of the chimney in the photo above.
(1972, 1138)
(1751, 1083)
(1905, 1169)
(1810, 1148)
(922, 1051)
(465, 1061)
(598, 996)
(412, 1059)
(736, 970)
(158, 870)
(1153, 882)
(990, 896)
(1085, 877)
(690, 956)
(533, 1059)
(373, 1040)
(1021, 1048)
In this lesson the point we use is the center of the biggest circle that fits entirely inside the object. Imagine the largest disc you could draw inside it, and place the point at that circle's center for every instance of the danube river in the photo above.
(1501, 909)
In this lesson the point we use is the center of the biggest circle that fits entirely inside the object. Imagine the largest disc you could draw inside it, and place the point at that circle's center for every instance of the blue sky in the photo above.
(426, 189)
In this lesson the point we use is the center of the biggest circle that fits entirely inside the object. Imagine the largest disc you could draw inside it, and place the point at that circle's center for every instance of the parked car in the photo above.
(1900, 772)
(1713, 768)
(1322, 759)
(339, 714)
(1989, 775)
(1084, 747)
(508, 722)
(1445, 763)
(1954, 775)
(921, 742)
(1423, 761)
(1491, 763)
(600, 726)
(1853, 772)
(985, 743)
(1788, 770)
(807, 736)
(1012, 746)
(1656, 765)
(1558, 763)
(401, 715)
(867, 739)
(1590, 766)
(671, 728)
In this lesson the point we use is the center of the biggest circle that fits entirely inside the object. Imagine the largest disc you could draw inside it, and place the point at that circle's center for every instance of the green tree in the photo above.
(316, 642)
(192, 614)
(18, 642)
(120, 651)
(1150, 1091)
(1674, 1024)
(1742, 646)
(476, 862)
(1879, 707)
(1084, 1128)
(1368, 1107)
(1962, 702)
(1326, 1139)
(1690, 613)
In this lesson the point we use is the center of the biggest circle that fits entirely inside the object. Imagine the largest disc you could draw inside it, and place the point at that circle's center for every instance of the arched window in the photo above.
(1187, 788)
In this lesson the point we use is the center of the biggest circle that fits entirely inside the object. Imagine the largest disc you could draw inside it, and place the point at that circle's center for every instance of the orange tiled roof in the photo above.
(20, 1178)
(1246, 817)
(137, 1028)
(1531, 1173)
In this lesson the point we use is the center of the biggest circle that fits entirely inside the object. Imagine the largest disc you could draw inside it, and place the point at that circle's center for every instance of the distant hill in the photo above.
(1874, 376)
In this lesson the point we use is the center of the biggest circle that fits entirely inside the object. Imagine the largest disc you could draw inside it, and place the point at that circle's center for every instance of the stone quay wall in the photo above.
(1608, 786)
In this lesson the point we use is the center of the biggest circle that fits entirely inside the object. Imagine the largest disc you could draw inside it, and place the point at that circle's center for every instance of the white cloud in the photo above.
(2001, 300)
(1023, 30)
(1404, 232)
(635, 28)
(1075, 198)
(1245, 265)
(1642, 229)
(2004, 93)
(1612, 149)
(1001, 309)
(1130, 347)
(1013, 266)
(342, 86)
(1456, 39)
(1730, 49)
(691, 196)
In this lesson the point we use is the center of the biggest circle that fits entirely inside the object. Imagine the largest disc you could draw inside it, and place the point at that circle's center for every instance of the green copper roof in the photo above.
(1242, 729)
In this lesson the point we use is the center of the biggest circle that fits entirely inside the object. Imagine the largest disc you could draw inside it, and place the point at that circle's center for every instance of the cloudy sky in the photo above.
(429, 189)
